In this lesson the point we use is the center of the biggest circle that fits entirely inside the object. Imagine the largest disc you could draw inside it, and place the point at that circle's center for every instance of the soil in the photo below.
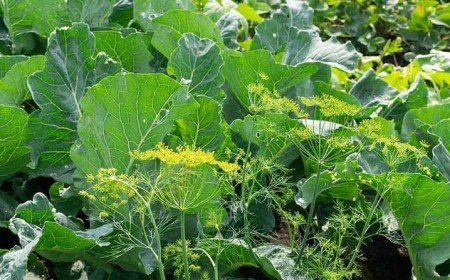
(385, 260)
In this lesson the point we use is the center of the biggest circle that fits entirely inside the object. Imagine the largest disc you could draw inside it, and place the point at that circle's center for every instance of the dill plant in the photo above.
(262, 179)
(200, 180)
(393, 155)
(324, 142)
(119, 198)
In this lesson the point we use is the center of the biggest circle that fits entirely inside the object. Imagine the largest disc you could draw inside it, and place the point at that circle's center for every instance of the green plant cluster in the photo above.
(185, 139)
(380, 26)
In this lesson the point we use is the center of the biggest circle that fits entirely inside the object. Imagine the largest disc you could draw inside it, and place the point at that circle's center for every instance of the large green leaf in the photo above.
(242, 69)
(231, 25)
(127, 112)
(36, 211)
(346, 188)
(306, 46)
(414, 98)
(41, 229)
(417, 122)
(441, 152)
(70, 68)
(93, 12)
(131, 50)
(38, 16)
(7, 61)
(205, 127)
(171, 26)
(197, 62)
(14, 155)
(441, 157)
(273, 34)
(61, 244)
(147, 10)
(372, 91)
(273, 260)
(421, 207)
(13, 87)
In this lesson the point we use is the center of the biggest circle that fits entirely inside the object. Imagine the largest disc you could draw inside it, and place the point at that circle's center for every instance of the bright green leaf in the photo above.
(243, 69)
(249, 13)
(14, 155)
(7, 61)
(425, 223)
(171, 26)
(205, 127)
(273, 33)
(38, 16)
(71, 67)
(147, 10)
(307, 46)
(93, 12)
(130, 51)
(197, 62)
(372, 91)
(124, 113)
(13, 87)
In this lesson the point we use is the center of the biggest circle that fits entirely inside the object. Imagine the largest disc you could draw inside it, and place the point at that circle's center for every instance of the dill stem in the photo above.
(162, 276)
(147, 203)
(184, 245)
(310, 215)
(366, 227)
(377, 200)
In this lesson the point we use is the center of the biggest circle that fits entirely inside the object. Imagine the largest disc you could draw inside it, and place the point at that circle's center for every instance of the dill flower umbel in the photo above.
(265, 100)
(185, 155)
(389, 146)
(330, 106)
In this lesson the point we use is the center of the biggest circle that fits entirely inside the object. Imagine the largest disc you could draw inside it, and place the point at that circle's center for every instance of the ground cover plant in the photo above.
(220, 139)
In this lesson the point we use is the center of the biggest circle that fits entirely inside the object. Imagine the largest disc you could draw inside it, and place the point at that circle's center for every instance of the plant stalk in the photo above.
(310, 215)
(366, 227)
(162, 275)
(377, 200)
(184, 245)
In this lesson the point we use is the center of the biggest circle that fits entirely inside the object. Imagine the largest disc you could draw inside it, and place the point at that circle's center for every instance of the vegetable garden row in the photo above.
(220, 139)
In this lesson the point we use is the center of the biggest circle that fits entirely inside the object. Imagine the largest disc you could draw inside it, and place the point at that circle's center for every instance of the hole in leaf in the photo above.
(443, 269)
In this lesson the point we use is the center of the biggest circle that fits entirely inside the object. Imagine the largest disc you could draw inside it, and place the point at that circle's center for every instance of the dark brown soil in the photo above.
(386, 261)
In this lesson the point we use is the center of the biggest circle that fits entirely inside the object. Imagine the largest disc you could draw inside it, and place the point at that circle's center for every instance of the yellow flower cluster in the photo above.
(268, 101)
(301, 133)
(186, 155)
(391, 147)
(330, 106)
(109, 189)
(340, 142)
